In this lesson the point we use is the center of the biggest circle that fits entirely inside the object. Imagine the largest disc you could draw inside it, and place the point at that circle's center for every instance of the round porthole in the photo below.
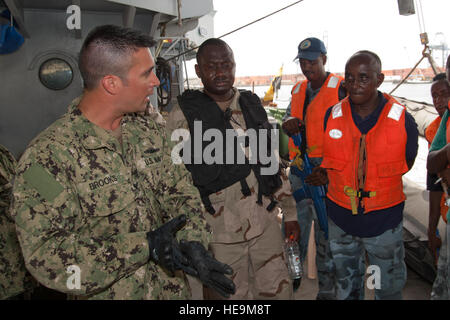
(55, 74)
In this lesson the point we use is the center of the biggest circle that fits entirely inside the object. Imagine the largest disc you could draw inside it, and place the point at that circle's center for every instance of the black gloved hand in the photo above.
(201, 264)
(164, 249)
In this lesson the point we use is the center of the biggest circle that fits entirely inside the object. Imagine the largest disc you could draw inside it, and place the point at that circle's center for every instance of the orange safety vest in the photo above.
(385, 148)
(315, 112)
(431, 130)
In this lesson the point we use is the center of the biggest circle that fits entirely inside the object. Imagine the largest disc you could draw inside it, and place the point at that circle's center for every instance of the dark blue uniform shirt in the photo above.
(375, 222)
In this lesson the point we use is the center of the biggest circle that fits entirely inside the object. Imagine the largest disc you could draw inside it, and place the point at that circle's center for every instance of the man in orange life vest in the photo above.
(440, 92)
(370, 141)
(438, 162)
(310, 100)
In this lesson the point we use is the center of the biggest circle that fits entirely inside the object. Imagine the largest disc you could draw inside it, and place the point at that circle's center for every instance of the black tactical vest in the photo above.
(211, 178)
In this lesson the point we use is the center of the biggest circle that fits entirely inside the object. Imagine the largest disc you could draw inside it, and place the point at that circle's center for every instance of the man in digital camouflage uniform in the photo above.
(14, 279)
(97, 200)
(245, 234)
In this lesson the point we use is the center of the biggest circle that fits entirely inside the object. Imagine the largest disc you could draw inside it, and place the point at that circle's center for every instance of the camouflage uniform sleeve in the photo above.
(285, 197)
(194, 206)
(13, 276)
(56, 236)
(7, 170)
(155, 115)
(182, 197)
(176, 119)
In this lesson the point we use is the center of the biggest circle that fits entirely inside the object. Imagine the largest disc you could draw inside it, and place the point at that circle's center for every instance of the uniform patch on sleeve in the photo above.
(395, 112)
(41, 180)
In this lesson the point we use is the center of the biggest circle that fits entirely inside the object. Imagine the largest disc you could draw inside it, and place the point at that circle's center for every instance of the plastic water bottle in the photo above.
(293, 259)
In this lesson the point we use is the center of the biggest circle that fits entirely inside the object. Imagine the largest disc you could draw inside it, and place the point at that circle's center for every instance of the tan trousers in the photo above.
(259, 267)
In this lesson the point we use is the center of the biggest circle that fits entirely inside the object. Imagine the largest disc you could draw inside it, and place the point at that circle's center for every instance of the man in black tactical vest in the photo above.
(241, 199)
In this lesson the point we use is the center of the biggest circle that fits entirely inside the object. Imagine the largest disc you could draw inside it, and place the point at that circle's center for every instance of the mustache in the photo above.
(221, 79)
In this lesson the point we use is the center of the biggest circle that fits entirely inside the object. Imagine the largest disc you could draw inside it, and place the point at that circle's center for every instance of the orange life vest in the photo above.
(315, 112)
(385, 148)
(431, 130)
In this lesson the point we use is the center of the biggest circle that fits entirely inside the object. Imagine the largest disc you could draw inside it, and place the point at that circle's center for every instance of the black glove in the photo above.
(202, 265)
(164, 249)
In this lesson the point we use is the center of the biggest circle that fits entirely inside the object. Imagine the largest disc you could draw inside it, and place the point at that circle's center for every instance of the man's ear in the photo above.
(324, 59)
(112, 84)
(380, 79)
(197, 71)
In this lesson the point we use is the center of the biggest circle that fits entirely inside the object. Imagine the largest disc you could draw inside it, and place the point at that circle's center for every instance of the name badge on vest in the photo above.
(335, 133)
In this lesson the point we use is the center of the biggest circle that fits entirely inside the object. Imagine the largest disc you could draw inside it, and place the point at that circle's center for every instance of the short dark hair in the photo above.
(210, 42)
(373, 55)
(107, 50)
(439, 77)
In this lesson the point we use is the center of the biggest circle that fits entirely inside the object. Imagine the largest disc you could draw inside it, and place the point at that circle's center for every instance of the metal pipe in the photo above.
(180, 23)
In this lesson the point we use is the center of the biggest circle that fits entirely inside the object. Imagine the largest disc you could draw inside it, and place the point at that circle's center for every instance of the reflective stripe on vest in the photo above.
(296, 88)
(385, 158)
(315, 112)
